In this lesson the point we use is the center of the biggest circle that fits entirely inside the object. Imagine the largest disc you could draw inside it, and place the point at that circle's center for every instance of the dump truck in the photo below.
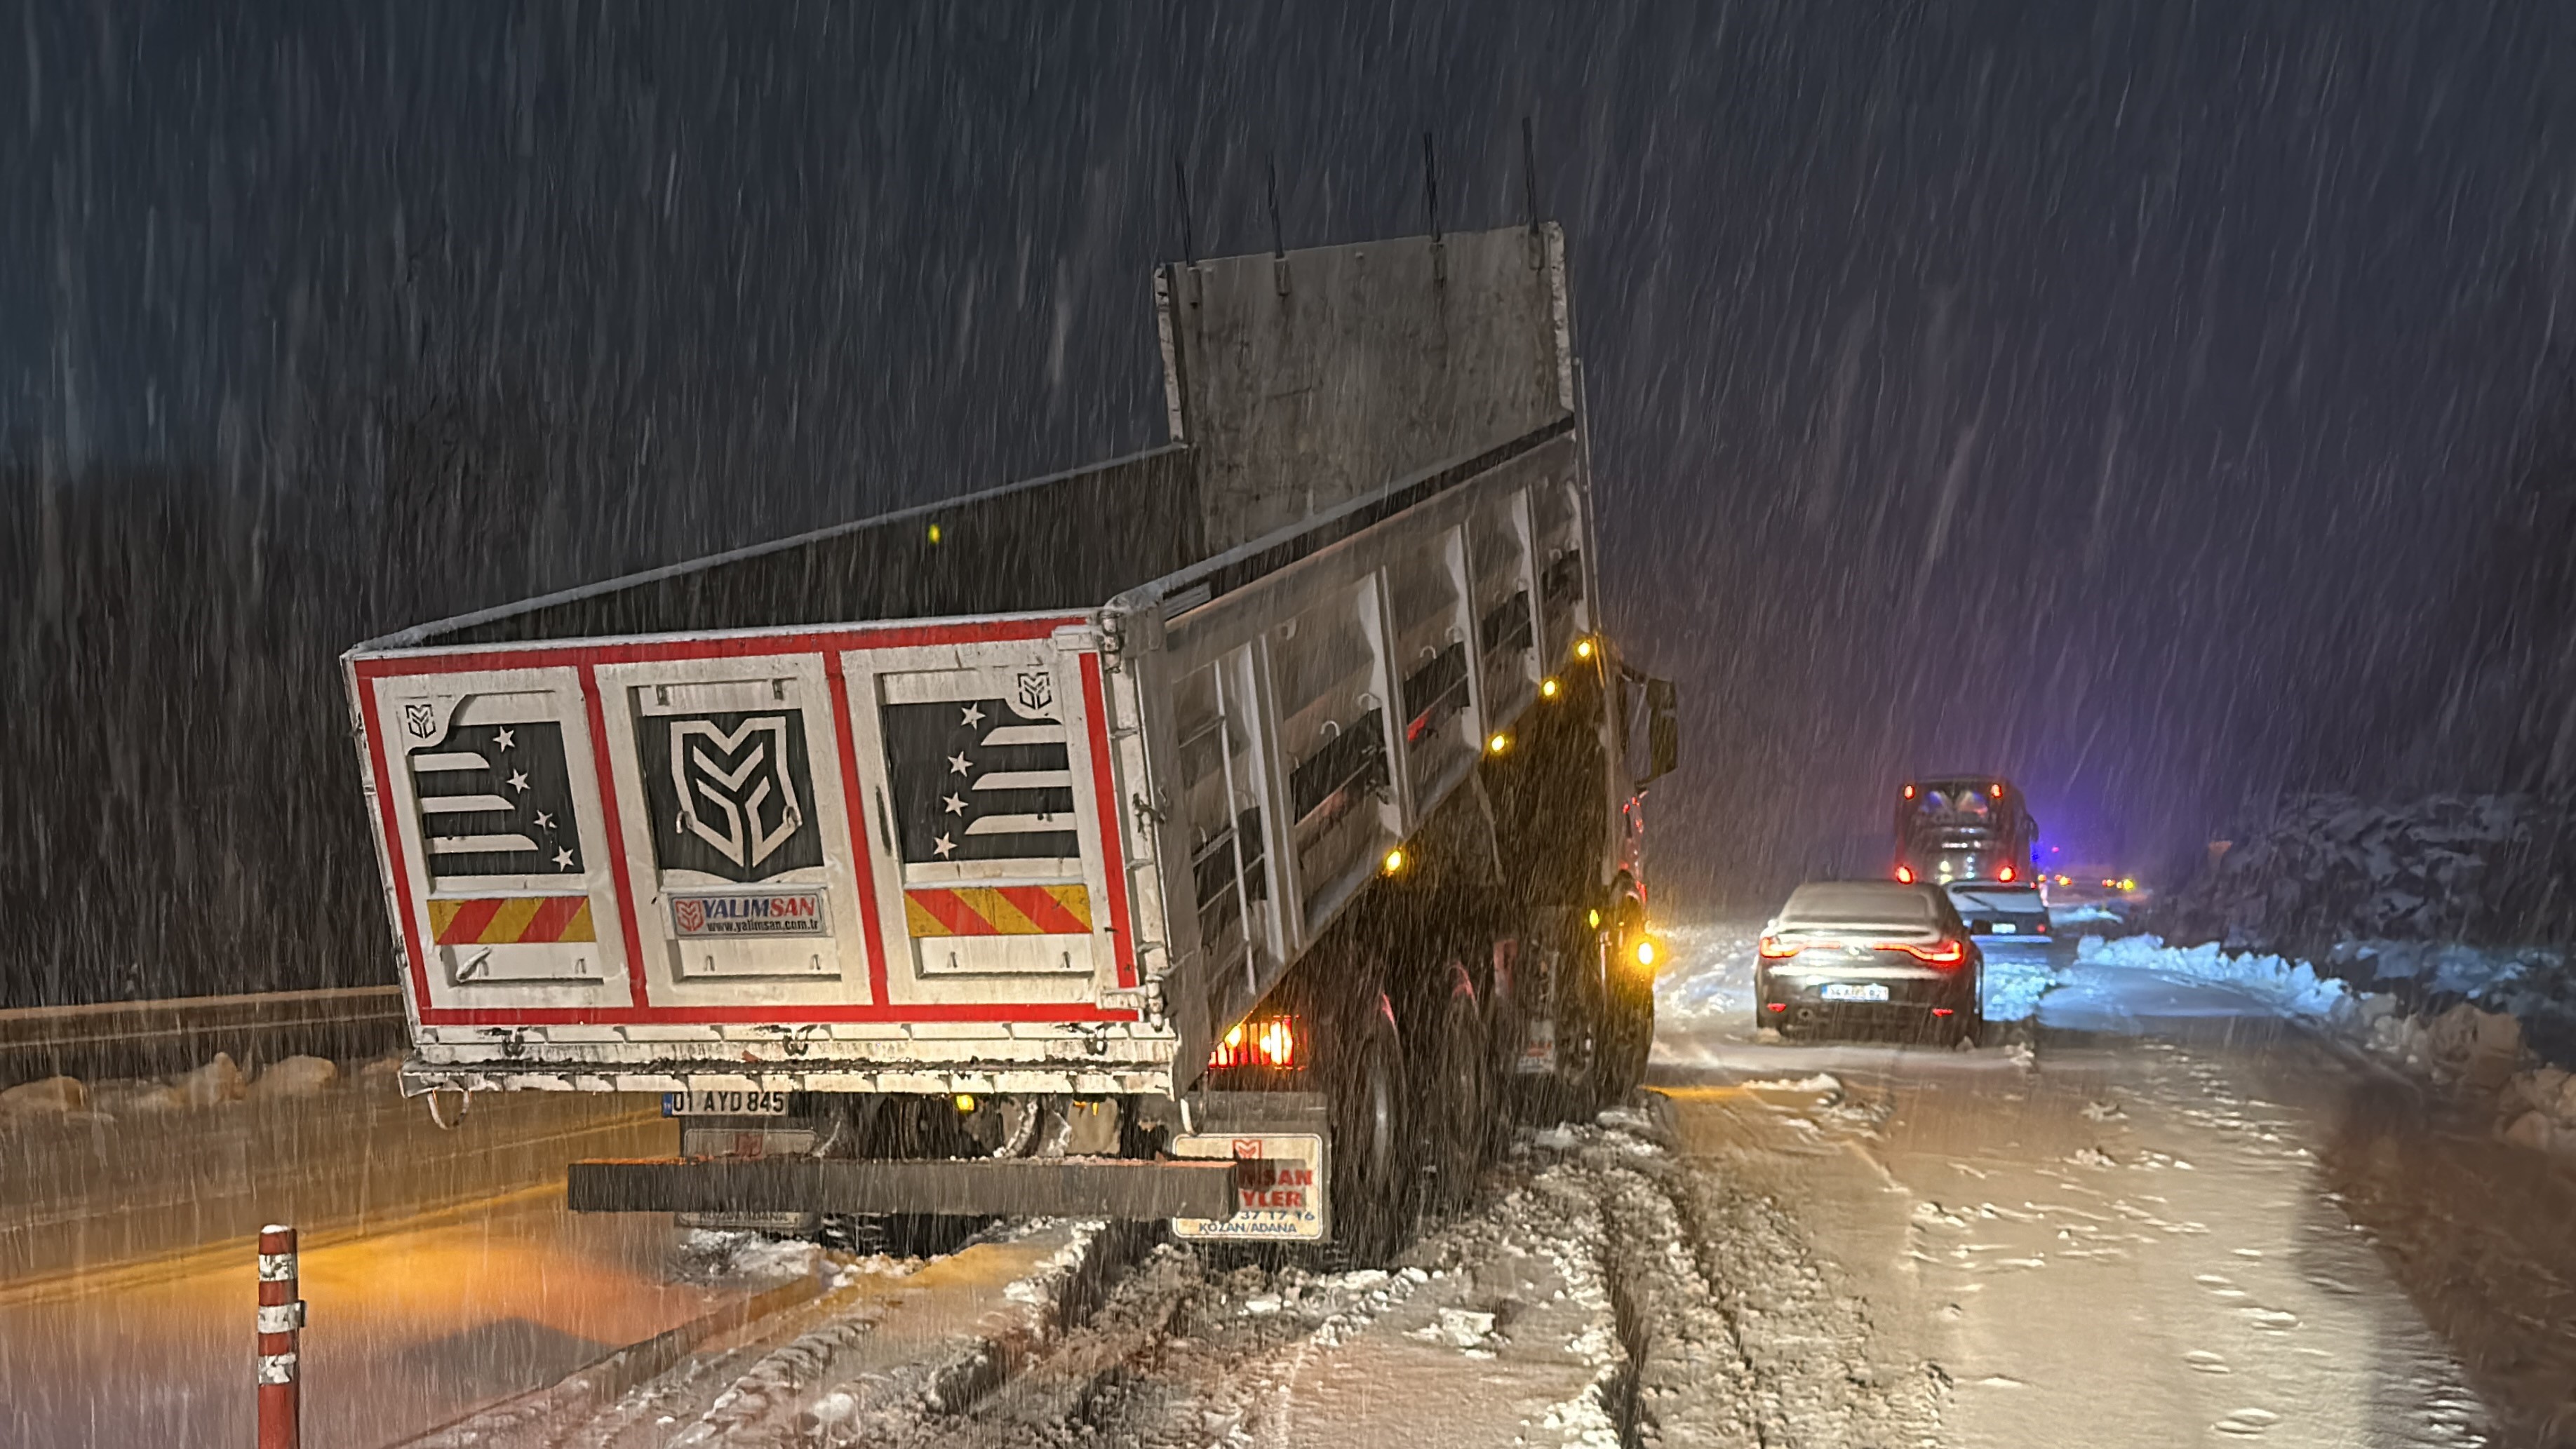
(1236, 833)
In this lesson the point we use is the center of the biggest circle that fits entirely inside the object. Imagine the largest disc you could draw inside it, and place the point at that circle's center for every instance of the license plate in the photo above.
(2005, 928)
(1538, 1050)
(724, 1104)
(1279, 1189)
(1854, 991)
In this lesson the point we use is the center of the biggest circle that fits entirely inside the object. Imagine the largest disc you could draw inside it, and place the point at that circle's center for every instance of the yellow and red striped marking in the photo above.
(1038, 910)
(511, 921)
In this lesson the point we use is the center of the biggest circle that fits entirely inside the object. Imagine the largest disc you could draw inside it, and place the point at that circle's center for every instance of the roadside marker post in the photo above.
(281, 1317)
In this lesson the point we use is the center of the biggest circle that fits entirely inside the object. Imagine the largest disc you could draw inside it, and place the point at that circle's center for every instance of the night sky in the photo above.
(2112, 395)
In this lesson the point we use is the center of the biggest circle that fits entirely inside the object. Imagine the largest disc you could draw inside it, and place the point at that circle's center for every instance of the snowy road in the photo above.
(2124, 1224)
(2131, 1227)
(2154, 1211)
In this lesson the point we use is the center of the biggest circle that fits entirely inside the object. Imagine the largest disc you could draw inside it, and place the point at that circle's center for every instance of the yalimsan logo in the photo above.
(782, 913)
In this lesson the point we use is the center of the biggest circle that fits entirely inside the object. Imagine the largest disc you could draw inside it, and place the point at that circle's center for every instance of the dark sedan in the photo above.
(1850, 954)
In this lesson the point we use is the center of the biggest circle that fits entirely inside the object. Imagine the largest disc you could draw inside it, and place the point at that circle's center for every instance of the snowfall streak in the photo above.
(1039, 910)
(511, 920)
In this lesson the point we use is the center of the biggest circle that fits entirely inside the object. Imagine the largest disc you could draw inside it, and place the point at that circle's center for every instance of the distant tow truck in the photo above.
(1974, 836)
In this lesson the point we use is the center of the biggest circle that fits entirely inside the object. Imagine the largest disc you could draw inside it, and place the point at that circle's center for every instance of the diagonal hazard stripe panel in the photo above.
(511, 920)
(1052, 910)
(1048, 910)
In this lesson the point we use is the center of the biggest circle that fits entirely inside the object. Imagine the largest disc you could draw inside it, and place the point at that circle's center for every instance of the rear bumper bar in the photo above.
(967, 1187)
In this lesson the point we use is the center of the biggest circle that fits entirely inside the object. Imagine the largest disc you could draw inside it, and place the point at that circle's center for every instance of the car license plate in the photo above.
(1854, 991)
(724, 1104)
(2005, 928)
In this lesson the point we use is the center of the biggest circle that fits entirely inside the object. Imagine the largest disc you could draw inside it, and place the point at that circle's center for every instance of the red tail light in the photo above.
(1944, 952)
(1775, 949)
(1905, 875)
(2005, 875)
(1268, 1042)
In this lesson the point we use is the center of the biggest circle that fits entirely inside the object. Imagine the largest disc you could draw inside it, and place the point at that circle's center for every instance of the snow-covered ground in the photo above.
(2166, 1202)
(2129, 1230)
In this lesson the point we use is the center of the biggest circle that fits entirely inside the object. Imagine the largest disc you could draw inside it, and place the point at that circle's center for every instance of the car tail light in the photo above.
(2005, 875)
(1944, 952)
(1267, 1042)
(1905, 875)
(1775, 949)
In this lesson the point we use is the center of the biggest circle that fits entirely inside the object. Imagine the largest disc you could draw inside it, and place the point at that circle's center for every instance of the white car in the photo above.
(1994, 909)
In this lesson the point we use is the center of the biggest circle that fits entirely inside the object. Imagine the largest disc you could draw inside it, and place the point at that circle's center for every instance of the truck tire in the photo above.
(1570, 1093)
(1453, 1089)
(1372, 1197)
(1627, 1037)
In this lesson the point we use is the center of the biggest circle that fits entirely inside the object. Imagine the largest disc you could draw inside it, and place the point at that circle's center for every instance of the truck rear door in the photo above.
(630, 838)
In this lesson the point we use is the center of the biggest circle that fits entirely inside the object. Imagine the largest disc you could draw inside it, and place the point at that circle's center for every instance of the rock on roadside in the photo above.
(216, 1082)
(120, 1097)
(295, 1077)
(45, 1097)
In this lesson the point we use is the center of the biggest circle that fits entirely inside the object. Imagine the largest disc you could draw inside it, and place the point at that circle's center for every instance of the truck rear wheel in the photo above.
(1372, 1198)
(1627, 1037)
(1454, 1093)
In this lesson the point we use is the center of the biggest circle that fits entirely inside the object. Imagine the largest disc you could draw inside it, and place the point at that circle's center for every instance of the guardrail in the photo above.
(155, 1038)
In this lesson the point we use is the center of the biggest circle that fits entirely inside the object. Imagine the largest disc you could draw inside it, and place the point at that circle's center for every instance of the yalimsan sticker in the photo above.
(770, 913)
(1279, 1186)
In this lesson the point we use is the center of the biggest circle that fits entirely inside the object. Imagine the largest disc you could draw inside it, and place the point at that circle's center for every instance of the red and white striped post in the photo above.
(281, 1314)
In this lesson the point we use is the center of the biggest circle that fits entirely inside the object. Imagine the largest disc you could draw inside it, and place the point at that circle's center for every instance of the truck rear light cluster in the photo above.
(1905, 875)
(2005, 875)
(1265, 1042)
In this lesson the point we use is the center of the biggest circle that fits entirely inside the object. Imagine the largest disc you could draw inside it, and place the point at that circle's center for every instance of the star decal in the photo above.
(545, 821)
(943, 846)
(955, 805)
(974, 715)
(958, 764)
(519, 781)
(563, 860)
(501, 739)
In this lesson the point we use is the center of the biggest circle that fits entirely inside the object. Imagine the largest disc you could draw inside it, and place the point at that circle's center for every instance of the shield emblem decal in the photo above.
(1037, 692)
(731, 793)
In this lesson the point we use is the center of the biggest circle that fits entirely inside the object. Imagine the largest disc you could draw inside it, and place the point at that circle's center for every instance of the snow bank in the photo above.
(2014, 987)
(2294, 987)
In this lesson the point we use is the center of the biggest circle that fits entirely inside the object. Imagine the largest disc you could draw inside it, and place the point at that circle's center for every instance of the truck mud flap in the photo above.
(970, 1187)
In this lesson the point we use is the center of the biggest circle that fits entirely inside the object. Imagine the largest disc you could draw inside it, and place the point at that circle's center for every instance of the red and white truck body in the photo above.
(1042, 791)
